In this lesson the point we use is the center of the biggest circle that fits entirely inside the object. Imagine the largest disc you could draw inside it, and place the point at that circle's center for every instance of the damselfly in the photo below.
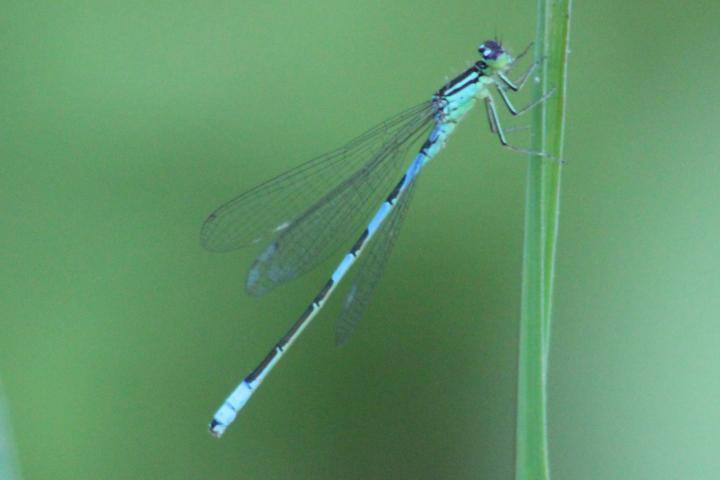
(309, 212)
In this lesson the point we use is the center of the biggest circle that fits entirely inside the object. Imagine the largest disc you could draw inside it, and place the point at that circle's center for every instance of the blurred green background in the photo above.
(125, 123)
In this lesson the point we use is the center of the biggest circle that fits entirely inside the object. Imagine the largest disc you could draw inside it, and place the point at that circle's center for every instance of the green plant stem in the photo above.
(8, 459)
(541, 232)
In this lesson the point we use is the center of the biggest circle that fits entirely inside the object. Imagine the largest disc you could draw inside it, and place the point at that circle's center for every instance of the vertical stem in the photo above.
(541, 232)
(8, 464)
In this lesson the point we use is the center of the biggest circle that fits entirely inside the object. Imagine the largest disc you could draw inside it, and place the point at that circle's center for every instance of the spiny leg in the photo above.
(518, 84)
(522, 54)
(511, 107)
(517, 128)
(491, 120)
(515, 87)
(492, 113)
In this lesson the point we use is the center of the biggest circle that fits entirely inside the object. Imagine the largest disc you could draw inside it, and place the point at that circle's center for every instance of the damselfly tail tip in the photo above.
(227, 412)
(217, 428)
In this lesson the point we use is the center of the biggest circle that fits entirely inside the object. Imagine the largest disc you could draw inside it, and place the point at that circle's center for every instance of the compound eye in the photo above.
(490, 50)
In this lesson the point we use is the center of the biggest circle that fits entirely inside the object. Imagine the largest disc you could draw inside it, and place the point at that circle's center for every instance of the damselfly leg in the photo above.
(491, 110)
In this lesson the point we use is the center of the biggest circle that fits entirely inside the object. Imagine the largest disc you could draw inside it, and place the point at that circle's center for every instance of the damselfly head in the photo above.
(494, 55)
(490, 50)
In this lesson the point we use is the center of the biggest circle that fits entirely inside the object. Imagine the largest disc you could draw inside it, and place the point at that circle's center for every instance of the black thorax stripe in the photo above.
(468, 77)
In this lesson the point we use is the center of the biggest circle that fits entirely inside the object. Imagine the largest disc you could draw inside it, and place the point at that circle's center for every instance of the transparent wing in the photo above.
(273, 207)
(373, 262)
(337, 216)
